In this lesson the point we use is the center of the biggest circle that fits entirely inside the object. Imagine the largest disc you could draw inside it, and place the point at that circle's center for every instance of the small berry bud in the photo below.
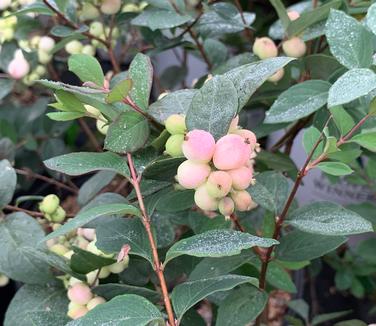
(243, 200)
(102, 127)
(88, 50)
(49, 204)
(91, 110)
(226, 206)
(74, 47)
(174, 145)
(59, 215)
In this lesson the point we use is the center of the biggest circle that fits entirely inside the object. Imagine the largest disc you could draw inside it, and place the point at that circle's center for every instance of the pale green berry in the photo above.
(218, 184)
(95, 302)
(4, 280)
(110, 7)
(226, 206)
(88, 50)
(96, 28)
(89, 12)
(59, 249)
(277, 76)
(77, 312)
(102, 127)
(91, 110)
(174, 145)
(49, 204)
(294, 47)
(74, 47)
(104, 273)
(264, 48)
(175, 124)
(204, 201)
(59, 215)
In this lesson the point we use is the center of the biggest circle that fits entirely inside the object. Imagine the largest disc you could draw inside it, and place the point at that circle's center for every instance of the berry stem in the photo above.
(146, 221)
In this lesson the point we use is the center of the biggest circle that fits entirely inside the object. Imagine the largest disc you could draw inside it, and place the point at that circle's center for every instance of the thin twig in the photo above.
(90, 134)
(31, 174)
(246, 30)
(146, 221)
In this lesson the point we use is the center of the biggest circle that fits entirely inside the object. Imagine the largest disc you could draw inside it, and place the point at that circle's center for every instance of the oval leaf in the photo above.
(87, 68)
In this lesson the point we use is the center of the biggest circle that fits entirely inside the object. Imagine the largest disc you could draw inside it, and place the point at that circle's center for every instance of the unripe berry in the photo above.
(34, 42)
(73, 47)
(248, 136)
(91, 247)
(81, 242)
(59, 249)
(191, 174)
(117, 268)
(95, 302)
(59, 215)
(294, 47)
(7, 33)
(46, 43)
(88, 50)
(218, 184)
(175, 124)
(162, 95)
(204, 201)
(104, 273)
(44, 57)
(264, 48)
(243, 200)
(69, 254)
(293, 15)
(102, 127)
(241, 177)
(80, 293)
(73, 281)
(91, 277)
(234, 124)
(231, 152)
(77, 312)
(110, 7)
(226, 206)
(198, 146)
(40, 70)
(174, 145)
(277, 76)
(96, 28)
(130, 7)
(89, 12)
(88, 233)
(92, 110)
(4, 280)
(18, 67)
(49, 204)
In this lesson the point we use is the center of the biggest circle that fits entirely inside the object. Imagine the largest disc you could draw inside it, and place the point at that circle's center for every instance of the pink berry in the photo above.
(249, 137)
(294, 47)
(264, 48)
(199, 146)
(293, 15)
(95, 302)
(226, 206)
(218, 184)
(204, 201)
(192, 174)
(243, 200)
(241, 177)
(231, 152)
(277, 76)
(80, 293)
(18, 67)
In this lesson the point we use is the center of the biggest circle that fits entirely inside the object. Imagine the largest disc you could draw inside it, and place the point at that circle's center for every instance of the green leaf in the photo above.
(212, 267)
(112, 290)
(157, 18)
(123, 310)
(278, 277)
(173, 103)
(329, 316)
(38, 305)
(82, 162)
(17, 232)
(371, 18)
(119, 92)
(366, 140)
(70, 101)
(299, 246)
(328, 219)
(213, 107)
(349, 40)
(310, 137)
(87, 68)
(90, 214)
(217, 243)
(366, 250)
(187, 294)
(342, 119)
(248, 78)
(127, 133)
(141, 74)
(352, 322)
(270, 191)
(241, 306)
(113, 233)
(351, 85)
(37, 7)
(6, 86)
(175, 201)
(300, 307)
(311, 17)
(8, 182)
(65, 116)
(163, 168)
(84, 261)
(281, 11)
(298, 101)
(335, 168)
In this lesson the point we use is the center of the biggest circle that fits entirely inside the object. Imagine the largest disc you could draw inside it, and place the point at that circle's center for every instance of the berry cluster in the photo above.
(50, 207)
(221, 171)
(265, 47)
